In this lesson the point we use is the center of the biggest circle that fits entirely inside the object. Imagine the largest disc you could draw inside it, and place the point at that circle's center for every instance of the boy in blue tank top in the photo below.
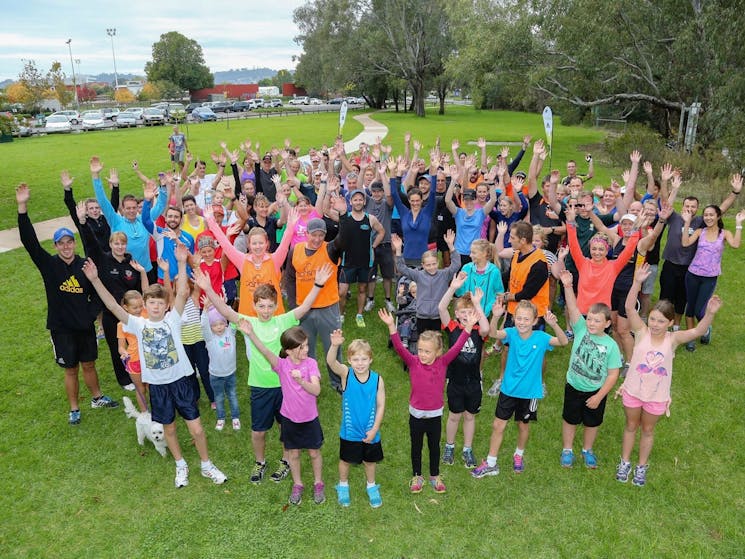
(362, 405)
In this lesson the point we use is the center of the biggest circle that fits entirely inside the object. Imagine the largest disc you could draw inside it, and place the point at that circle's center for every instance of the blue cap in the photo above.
(61, 233)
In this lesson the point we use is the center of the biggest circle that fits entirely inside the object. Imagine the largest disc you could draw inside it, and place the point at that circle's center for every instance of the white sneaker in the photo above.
(369, 305)
(182, 476)
(215, 475)
(390, 306)
(129, 387)
(494, 390)
(236, 424)
(219, 425)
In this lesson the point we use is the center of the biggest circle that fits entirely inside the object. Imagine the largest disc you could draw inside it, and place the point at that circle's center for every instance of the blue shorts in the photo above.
(354, 275)
(306, 435)
(166, 399)
(265, 406)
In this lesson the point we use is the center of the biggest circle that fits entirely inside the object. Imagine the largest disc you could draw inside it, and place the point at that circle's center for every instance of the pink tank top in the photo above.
(650, 370)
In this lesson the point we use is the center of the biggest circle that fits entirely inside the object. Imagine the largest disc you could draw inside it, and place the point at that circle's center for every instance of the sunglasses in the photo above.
(575, 205)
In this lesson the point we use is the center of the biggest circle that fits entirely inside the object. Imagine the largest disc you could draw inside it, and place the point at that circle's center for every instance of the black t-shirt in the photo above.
(466, 368)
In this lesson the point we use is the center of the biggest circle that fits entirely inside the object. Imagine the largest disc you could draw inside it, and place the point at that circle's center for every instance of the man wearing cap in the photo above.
(72, 307)
(264, 171)
(302, 262)
(357, 258)
(380, 205)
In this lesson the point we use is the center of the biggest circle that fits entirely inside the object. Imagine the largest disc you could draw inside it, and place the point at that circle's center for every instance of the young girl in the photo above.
(706, 266)
(432, 283)
(220, 342)
(301, 384)
(464, 374)
(133, 303)
(427, 371)
(646, 390)
(482, 273)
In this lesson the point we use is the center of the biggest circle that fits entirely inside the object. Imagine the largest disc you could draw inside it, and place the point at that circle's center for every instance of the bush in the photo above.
(6, 125)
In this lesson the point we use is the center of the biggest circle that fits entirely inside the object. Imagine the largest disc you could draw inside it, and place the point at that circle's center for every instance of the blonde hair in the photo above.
(484, 246)
(465, 301)
(525, 304)
(118, 236)
(359, 346)
(432, 337)
(130, 296)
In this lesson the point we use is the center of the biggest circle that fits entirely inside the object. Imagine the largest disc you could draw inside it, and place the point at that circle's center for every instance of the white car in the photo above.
(72, 116)
(93, 120)
(298, 101)
(57, 123)
(315, 101)
(137, 111)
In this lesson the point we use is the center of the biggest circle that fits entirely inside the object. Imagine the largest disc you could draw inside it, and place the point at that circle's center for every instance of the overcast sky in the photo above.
(233, 34)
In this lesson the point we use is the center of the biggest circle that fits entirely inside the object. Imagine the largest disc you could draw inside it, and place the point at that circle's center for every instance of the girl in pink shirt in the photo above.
(427, 371)
(646, 390)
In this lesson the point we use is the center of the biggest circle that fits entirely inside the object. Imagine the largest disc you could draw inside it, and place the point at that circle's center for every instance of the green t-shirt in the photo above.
(260, 373)
(591, 358)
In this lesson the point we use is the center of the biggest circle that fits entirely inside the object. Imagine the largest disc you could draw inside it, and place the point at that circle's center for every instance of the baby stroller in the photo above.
(406, 313)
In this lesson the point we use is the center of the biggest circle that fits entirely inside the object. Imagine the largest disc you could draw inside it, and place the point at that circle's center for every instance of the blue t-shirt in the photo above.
(469, 229)
(523, 372)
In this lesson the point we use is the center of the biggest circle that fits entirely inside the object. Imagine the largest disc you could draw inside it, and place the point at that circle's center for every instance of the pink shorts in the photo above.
(653, 408)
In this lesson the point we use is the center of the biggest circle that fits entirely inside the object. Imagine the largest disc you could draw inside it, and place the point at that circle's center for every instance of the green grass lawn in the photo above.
(90, 491)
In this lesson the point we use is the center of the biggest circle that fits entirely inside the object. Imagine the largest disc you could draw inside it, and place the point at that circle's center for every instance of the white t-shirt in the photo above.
(162, 356)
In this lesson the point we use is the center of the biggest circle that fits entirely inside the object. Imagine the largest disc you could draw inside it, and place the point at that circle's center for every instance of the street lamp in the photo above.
(74, 83)
(111, 31)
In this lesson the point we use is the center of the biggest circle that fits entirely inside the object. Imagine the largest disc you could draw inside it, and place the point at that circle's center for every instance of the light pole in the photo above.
(111, 31)
(74, 83)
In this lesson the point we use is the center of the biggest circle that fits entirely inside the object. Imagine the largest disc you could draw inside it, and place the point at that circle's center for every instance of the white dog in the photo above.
(146, 427)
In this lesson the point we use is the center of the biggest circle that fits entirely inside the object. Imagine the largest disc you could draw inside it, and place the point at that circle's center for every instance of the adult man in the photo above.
(380, 204)
(179, 147)
(302, 262)
(264, 172)
(572, 171)
(129, 223)
(528, 272)
(357, 258)
(72, 307)
(541, 212)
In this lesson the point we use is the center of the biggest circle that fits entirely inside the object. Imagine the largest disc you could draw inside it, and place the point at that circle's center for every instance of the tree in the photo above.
(124, 96)
(282, 77)
(168, 90)
(56, 80)
(85, 93)
(17, 92)
(34, 82)
(149, 92)
(179, 60)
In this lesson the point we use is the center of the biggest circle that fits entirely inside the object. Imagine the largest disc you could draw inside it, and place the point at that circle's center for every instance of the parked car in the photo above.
(336, 101)
(191, 106)
(203, 113)
(240, 106)
(302, 100)
(57, 123)
(153, 116)
(110, 113)
(137, 111)
(275, 102)
(221, 106)
(258, 103)
(126, 120)
(72, 116)
(93, 120)
(315, 101)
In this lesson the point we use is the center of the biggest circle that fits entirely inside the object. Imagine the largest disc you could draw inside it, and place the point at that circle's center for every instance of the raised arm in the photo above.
(570, 298)
(734, 193)
(91, 272)
(245, 327)
(457, 282)
(337, 340)
(322, 276)
(182, 284)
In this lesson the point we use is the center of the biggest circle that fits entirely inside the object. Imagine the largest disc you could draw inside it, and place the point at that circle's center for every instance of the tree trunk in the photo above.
(441, 92)
(418, 100)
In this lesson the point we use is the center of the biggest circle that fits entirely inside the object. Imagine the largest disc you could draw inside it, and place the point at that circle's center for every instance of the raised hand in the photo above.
(714, 304)
(449, 237)
(66, 179)
(647, 167)
(113, 176)
(397, 243)
(22, 193)
(481, 143)
(566, 278)
(642, 273)
(90, 270)
(386, 317)
(455, 144)
(635, 156)
(736, 182)
(245, 326)
(666, 173)
(323, 274)
(81, 211)
(95, 165)
(337, 337)
(458, 280)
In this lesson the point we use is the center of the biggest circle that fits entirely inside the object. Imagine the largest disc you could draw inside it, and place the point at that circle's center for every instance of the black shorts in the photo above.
(354, 275)
(576, 411)
(383, 262)
(72, 347)
(523, 409)
(464, 397)
(265, 406)
(618, 301)
(356, 452)
(307, 435)
(166, 399)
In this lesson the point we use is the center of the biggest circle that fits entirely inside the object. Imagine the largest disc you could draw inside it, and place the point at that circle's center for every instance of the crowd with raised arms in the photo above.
(274, 248)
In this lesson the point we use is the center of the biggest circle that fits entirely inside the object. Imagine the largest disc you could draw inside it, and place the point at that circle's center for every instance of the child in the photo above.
(521, 387)
(211, 266)
(480, 272)
(129, 353)
(220, 342)
(165, 365)
(266, 394)
(301, 384)
(362, 408)
(464, 374)
(427, 371)
(592, 373)
(433, 281)
(646, 390)
(406, 313)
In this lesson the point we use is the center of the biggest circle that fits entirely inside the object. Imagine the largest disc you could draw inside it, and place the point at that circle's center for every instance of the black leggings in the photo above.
(432, 426)
(109, 322)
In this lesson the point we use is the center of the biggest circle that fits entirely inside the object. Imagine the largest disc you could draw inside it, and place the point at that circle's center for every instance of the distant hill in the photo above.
(243, 75)
(5, 83)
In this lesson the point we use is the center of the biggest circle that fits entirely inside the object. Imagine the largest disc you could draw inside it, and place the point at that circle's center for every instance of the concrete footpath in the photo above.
(9, 239)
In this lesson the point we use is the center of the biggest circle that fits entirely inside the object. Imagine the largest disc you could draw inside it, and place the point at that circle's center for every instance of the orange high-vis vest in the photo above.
(305, 275)
(518, 275)
(251, 278)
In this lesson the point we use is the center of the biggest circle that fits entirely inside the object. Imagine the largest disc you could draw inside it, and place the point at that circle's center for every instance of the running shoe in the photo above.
(416, 484)
(182, 476)
(518, 466)
(104, 402)
(214, 474)
(360, 320)
(590, 459)
(448, 456)
(485, 470)
(257, 473)
(319, 493)
(640, 475)
(622, 471)
(567, 459)
(437, 484)
(373, 494)
(281, 472)
(342, 495)
(74, 418)
(468, 458)
(296, 497)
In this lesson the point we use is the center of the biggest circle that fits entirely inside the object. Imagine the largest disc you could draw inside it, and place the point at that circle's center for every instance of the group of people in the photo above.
(173, 275)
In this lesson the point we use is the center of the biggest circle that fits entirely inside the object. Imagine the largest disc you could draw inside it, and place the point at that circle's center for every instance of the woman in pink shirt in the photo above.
(646, 390)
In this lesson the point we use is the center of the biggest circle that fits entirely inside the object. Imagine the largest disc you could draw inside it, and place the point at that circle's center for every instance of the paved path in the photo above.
(10, 240)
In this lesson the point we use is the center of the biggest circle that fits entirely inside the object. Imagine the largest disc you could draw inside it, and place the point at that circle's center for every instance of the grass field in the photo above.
(90, 491)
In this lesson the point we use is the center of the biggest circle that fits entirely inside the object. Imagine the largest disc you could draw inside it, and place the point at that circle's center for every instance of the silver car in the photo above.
(151, 117)
(57, 123)
(126, 120)
(93, 120)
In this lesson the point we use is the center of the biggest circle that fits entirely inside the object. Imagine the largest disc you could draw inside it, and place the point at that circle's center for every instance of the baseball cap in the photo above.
(377, 185)
(316, 224)
(61, 233)
(629, 217)
(357, 191)
(469, 194)
(521, 174)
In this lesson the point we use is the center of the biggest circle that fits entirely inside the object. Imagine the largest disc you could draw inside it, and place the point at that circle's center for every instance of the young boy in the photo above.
(464, 374)
(165, 365)
(362, 408)
(593, 371)
(521, 386)
(266, 394)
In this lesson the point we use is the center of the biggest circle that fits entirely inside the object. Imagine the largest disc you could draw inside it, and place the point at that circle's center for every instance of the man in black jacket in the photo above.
(72, 307)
